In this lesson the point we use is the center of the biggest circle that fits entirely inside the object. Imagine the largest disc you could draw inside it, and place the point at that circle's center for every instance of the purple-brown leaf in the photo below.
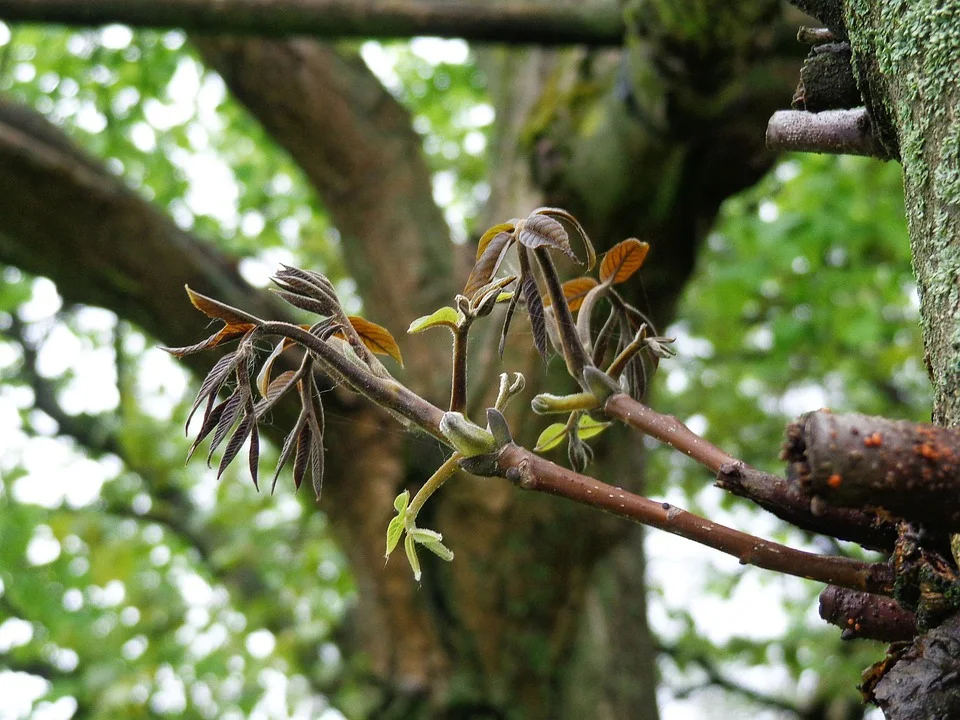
(543, 231)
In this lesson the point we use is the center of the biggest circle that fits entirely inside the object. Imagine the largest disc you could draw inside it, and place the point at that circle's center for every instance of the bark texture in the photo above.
(907, 60)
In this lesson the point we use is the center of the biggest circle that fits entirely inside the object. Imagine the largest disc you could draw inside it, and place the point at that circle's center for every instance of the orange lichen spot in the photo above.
(928, 451)
(835, 480)
(850, 621)
(873, 441)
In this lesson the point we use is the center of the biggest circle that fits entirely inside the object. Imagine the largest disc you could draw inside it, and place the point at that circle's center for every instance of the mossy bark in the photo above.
(906, 54)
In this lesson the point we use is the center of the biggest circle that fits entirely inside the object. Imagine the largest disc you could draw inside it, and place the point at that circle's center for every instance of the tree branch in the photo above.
(773, 493)
(840, 132)
(532, 472)
(862, 615)
(539, 23)
(912, 470)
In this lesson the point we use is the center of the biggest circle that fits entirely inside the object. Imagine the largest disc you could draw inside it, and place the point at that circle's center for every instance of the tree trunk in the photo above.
(907, 58)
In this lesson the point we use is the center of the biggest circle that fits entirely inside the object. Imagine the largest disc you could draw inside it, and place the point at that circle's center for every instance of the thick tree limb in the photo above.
(540, 23)
(911, 470)
(355, 143)
(862, 615)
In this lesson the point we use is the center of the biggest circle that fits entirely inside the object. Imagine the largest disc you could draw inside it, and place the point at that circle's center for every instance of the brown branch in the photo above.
(668, 429)
(770, 492)
(532, 472)
(842, 132)
(539, 23)
(911, 470)
(863, 615)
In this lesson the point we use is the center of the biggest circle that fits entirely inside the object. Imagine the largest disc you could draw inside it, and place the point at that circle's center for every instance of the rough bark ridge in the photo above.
(907, 55)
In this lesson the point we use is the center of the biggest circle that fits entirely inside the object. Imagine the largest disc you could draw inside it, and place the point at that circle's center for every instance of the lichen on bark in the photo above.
(907, 57)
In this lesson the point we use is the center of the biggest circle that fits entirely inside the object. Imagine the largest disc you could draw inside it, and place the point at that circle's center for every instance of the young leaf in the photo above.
(445, 316)
(221, 311)
(438, 549)
(531, 296)
(489, 235)
(377, 338)
(263, 377)
(288, 445)
(212, 383)
(401, 502)
(567, 217)
(235, 443)
(575, 290)
(225, 334)
(211, 419)
(302, 457)
(507, 319)
(623, 260)
(394, 531)
(551, 436)
(488, 262)
(254, 456)
(587, 427)
(411, 549)
(543, 231)
(231, 411)
(304, 302)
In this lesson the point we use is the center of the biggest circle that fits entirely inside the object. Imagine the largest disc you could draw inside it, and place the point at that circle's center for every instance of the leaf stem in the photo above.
(573, 350)
(434, 483)
(458, 385)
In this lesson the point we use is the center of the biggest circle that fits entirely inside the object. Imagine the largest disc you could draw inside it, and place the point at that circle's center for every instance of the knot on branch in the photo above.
(865, 615)
(909, 470)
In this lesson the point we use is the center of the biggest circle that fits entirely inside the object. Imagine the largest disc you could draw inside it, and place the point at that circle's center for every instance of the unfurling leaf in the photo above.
(488, 261)
(254, 456)
(489, 235)
(411, 549)
(302, 457)
(623, 260)
(488, 296)
(466, 437)
(288, 445)
(575, 291)
(444, 317)
(401, 501)
(394, 531)
(377, 338)
(543, 231)
(225, 334)
(221, 311)
(538, 323)
(551, 436)
(567, 217)
(312, 285)
(587, 427)
(213, 382)
(263, 377)
(507, 318)
(431, 540)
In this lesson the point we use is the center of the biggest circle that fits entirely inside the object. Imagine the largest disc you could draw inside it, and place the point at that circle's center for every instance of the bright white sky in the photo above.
(59, 474)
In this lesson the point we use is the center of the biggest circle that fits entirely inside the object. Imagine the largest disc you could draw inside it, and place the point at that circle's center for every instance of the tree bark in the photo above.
(541, 23)
(907, 56)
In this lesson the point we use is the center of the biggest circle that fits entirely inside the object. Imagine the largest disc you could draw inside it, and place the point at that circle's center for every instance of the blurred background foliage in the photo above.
(115, 603)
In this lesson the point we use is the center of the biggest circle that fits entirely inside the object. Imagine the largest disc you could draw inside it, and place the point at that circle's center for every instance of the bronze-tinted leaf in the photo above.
(228, 417)
(507, 318)
(225, 334)
(567, 217)
(489, 235)
(288, 445)
(302, 457)
(211, 419)
(221, 311)
(304, 302)
(254, 456)
(575, 290)
(488, 262)
(376, 337)
(213, 381)
(531, 296)
(235, 442)
(623, 260)
(263, 377)
(543, 231)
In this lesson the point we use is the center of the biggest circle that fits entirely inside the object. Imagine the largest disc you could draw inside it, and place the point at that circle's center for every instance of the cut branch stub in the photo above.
(826, 80)
(911, 470)
(841, 132)
(865, 615)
